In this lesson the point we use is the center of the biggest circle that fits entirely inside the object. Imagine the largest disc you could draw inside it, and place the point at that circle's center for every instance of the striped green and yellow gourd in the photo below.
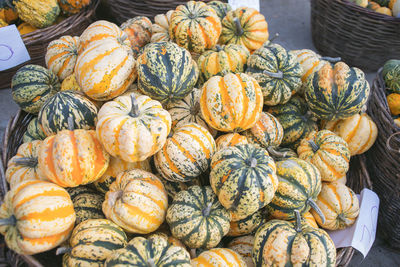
(391, 75)
(34, 131)
(220, 7)
(247, 225)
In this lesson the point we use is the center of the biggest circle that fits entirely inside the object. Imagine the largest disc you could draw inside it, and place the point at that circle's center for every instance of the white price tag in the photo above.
(247, 3)
(12, 49)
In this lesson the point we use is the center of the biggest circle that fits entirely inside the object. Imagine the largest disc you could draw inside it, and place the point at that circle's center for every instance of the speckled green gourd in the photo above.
(220, 7)
(391, 75)
(34, 131)
(247, 225)
(38, 13)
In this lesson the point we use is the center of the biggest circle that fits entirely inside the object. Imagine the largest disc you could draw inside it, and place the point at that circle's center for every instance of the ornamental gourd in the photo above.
(154, 251)
(395, 7)
(38, 13)
(359, 132)
(34, 131)
(73, 6)
(167, 72)
(243, 246)
(247, 225)
(244, 179)
(136, 201)
(139, 32)
(326, 151)
(230, 139)
(8, 13)
(277, 72)
(186, 154)
(231, 103)
(221, 60)
(25, 28)
(72, 158)
(336, 91)
(391, 74)
(195, 26)
(91, 242)
(174, 188)
(308, 218)
(61, 56)
(339, 204)
(36, 216)
(197, 218)
(221, 8)
(70, 84)
(219, 257)
(160, 27)
(394, 103)
(24, 165)
(32, 86)
(131, 128)
(244, 26)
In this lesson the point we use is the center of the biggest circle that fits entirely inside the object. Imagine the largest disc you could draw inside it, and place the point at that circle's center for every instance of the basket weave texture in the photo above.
(361, 37)
(37, 41)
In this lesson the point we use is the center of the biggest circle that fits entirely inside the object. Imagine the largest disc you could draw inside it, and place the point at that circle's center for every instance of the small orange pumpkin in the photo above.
(139, 32)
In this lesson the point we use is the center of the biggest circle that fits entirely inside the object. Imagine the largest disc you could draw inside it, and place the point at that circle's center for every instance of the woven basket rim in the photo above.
(368, 12)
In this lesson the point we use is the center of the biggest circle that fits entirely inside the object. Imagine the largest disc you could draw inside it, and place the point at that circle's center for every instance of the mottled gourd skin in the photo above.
(174, 188)
(195, 26)
(38, 13)
(42, 223)
(244, 179)
(296, 120)
(219, 257)
(55, 113)
(154, 251)
(391, 75)
(339, 204)
(34, 131)
(244, 246)
(32, 86)
(221, 8)
(336, 91)
(167, 72)
(160, 27)
(197, 218)
(139, 32)
(247, 225)
(299, 183)
(92, 241)
(277, 243)
(73, 6)
(230, 139)
(275, 59)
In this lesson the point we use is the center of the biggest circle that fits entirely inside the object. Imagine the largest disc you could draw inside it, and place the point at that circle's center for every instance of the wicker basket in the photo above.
(386, 174)
(361, 37)
(36, 42)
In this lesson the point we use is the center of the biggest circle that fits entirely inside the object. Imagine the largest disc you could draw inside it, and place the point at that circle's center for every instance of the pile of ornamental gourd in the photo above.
(195, 138)
(391, 76)
(387, 7)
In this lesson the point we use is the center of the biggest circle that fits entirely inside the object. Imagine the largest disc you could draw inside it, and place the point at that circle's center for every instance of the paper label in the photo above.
(361, 235)
(247, 3)
(12, 49)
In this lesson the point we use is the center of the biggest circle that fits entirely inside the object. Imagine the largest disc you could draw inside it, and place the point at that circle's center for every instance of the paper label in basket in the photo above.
(248, 3)
(12, 49)
(361, 235)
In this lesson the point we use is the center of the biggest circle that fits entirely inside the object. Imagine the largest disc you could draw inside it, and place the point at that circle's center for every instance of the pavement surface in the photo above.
(291, 19)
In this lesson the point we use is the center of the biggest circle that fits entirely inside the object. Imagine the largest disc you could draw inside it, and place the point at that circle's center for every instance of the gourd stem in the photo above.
(8, 221)
(276, 154)
(135, 107)
(195, 109)
(341, 217)
(298, 221)
(192, 253)
(63, 250)
(278, 75)
(26, 161)
(331, 59)
(253, 162)
(315, 207)
(239, 29)
(218, 47)
(273, 38)
(70, 121)
(313, 145)
(151, 263)
(206, 210)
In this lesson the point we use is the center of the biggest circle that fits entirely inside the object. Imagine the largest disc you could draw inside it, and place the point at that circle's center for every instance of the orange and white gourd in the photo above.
(244, 246)
(230, 139)
(217, 257)
(160, 27)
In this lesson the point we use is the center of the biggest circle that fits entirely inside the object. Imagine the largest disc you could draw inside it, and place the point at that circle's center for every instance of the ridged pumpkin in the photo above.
(222, 59)
(359, 132)
(394, 103)
(24, 165)
(282, 243)
(34, 131)
(167, 72)
(326, 151)
(339, 204)
(139, 32)
(247, 225)
(136, 201)
(154, 251)
(231, 103)
(38, 13)
(72, 158)
(73, 6)
(230, 139)
(64, 107)
(160, 27)
(61, 56)
(244, 179)
(244, 246)
(219, 257)
(92, 241)
(186, 154)
(337, 91)
(115, 167)
(36, 216)
(25, 28)
(297, 122)
(195, 26)
(187, 111)
(299, 186)
(197, 218)
(32, 86)
(277, 72)
(133, 129)
(87, 203)
(221, 8)
(245, 26)
(106, 68)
